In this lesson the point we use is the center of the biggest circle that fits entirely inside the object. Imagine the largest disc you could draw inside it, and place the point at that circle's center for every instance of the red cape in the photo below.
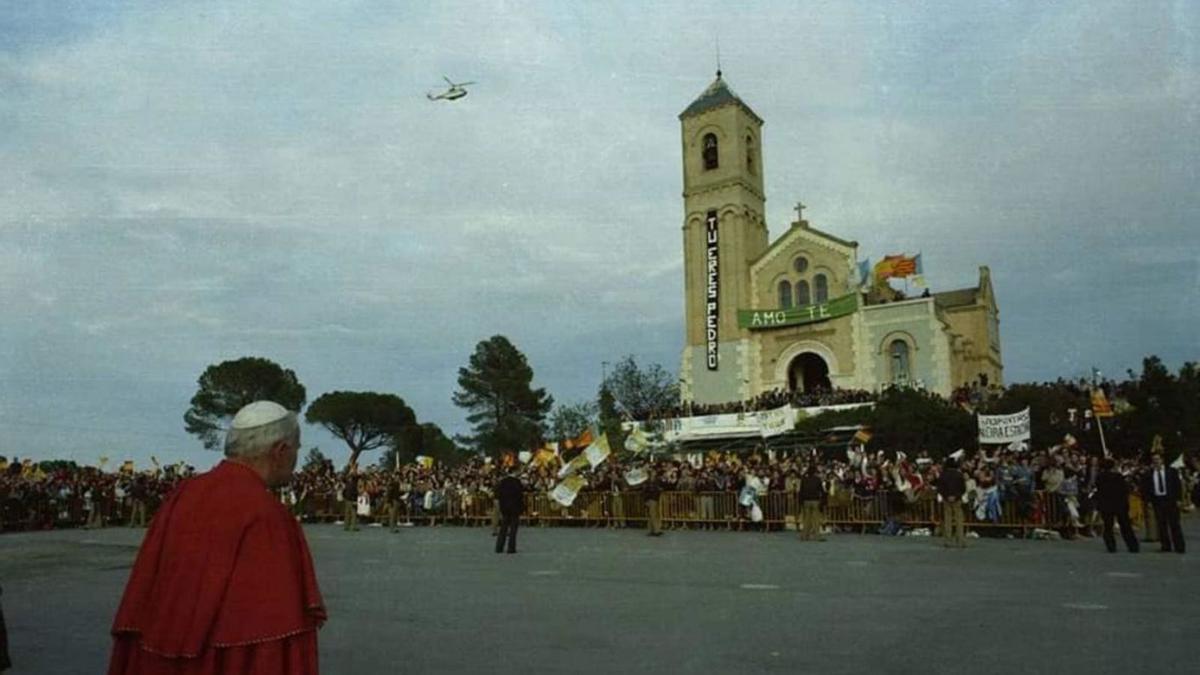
(224, 576)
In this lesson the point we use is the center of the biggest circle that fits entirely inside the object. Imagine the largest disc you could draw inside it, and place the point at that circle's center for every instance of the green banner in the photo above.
(755, 319)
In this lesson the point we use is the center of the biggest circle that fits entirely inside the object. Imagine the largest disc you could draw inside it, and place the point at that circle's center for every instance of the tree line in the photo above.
(495, 389)
(507, 413)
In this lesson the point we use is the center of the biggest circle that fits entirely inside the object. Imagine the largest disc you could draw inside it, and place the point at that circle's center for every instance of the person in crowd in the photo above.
(350, 499)
(137, 496)
(1112, 500)
(1165, 489)
(224, 581)
(616, 499)
(510, 494)
(650, 493)
(393, 495)
(951, 486)
(811, 494)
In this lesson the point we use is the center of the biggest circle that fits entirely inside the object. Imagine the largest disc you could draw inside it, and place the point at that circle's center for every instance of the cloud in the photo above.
(183, 183)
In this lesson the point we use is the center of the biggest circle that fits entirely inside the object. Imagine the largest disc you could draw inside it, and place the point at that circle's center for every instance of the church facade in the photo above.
(792, 314)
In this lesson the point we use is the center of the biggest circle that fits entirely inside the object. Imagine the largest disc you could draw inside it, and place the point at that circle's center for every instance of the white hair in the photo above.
(251, 442)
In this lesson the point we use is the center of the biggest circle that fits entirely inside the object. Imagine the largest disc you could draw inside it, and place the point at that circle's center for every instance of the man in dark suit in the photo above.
(1112, 501)
(1164, 489)
(510, 496)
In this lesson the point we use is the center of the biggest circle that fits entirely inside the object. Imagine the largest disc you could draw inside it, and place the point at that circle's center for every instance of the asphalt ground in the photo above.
(579, 600)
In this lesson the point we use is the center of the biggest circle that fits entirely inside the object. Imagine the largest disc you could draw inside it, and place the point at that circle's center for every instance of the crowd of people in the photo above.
(769, 400)
(1052, 487)
(32, 498)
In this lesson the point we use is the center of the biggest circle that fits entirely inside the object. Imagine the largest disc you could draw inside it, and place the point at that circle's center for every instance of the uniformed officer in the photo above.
(350, 500)
(650, 493)
(952, 486)
(812, 493)
(392, 496)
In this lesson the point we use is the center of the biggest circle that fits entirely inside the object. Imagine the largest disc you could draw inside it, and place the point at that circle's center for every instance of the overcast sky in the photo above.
(183, 183)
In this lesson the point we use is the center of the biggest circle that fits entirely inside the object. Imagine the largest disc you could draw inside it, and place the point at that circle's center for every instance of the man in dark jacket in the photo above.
(1112, 500)
(951, 486)
(510, 496)
(812, 493)
(1164, 489)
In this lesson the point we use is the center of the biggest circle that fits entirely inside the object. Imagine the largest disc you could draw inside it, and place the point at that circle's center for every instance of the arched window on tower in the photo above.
(802, 296)
(785, 295)
(710, 151)
(750, 155)
(898, 352)
(821, 285)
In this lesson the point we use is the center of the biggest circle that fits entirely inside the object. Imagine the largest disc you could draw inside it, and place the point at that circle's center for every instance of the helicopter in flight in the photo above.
(456, 91)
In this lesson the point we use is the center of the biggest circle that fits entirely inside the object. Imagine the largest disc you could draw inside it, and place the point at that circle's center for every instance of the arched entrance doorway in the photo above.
(808, 372)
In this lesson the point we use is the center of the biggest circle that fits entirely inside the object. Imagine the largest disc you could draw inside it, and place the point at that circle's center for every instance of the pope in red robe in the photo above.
(224, 581)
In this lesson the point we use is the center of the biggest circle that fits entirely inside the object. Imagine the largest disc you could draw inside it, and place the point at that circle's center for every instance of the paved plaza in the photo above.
(433, 600)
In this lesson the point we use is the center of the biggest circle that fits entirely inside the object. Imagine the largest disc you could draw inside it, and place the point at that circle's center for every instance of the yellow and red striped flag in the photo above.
(1100, 405)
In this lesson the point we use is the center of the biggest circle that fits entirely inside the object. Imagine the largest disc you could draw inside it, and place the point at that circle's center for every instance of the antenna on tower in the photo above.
(718, 57)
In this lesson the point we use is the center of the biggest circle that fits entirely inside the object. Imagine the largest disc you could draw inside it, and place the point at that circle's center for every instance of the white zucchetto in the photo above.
(257, 414)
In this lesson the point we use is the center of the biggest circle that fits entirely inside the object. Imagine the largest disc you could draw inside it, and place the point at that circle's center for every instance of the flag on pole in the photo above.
(581, 441)
(577, 464)
(565, 492)
(904, 267)
(1100, 405)
(898, 266)
(918, 277)
(862, 436)
(637, 441)
(543, 457)
(864, 273)
(598, 451)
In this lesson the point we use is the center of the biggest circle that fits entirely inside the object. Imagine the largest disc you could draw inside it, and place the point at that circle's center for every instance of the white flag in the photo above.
(565, 492)
(598, 451)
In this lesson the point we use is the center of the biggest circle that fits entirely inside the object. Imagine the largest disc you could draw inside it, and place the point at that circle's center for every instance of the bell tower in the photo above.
(724, 232)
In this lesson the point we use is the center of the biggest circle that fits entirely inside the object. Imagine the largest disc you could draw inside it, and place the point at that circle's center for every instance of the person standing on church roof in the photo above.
(224, 581)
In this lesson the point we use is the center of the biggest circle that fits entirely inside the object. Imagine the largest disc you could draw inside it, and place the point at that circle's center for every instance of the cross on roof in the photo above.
(800, 211)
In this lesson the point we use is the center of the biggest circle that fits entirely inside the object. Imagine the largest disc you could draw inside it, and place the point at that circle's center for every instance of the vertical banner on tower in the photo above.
(711, 315)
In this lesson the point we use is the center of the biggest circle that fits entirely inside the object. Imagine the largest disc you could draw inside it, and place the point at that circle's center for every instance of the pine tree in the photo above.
(506, 412)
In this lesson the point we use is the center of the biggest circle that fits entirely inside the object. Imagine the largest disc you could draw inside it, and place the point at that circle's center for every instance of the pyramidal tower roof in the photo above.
(716, 95)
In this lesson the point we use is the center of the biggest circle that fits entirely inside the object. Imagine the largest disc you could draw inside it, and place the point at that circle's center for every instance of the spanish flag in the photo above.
(579, 442)
(544, 457)
(1100, 405)
(898, 266)
(862, 436)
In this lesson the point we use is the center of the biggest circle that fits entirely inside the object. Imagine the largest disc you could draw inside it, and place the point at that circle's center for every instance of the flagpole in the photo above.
(1096, 415)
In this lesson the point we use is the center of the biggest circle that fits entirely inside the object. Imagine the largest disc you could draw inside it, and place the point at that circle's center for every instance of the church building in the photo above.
(793, 314)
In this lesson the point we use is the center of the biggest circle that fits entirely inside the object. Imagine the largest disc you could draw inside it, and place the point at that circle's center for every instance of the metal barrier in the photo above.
(706, 510)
